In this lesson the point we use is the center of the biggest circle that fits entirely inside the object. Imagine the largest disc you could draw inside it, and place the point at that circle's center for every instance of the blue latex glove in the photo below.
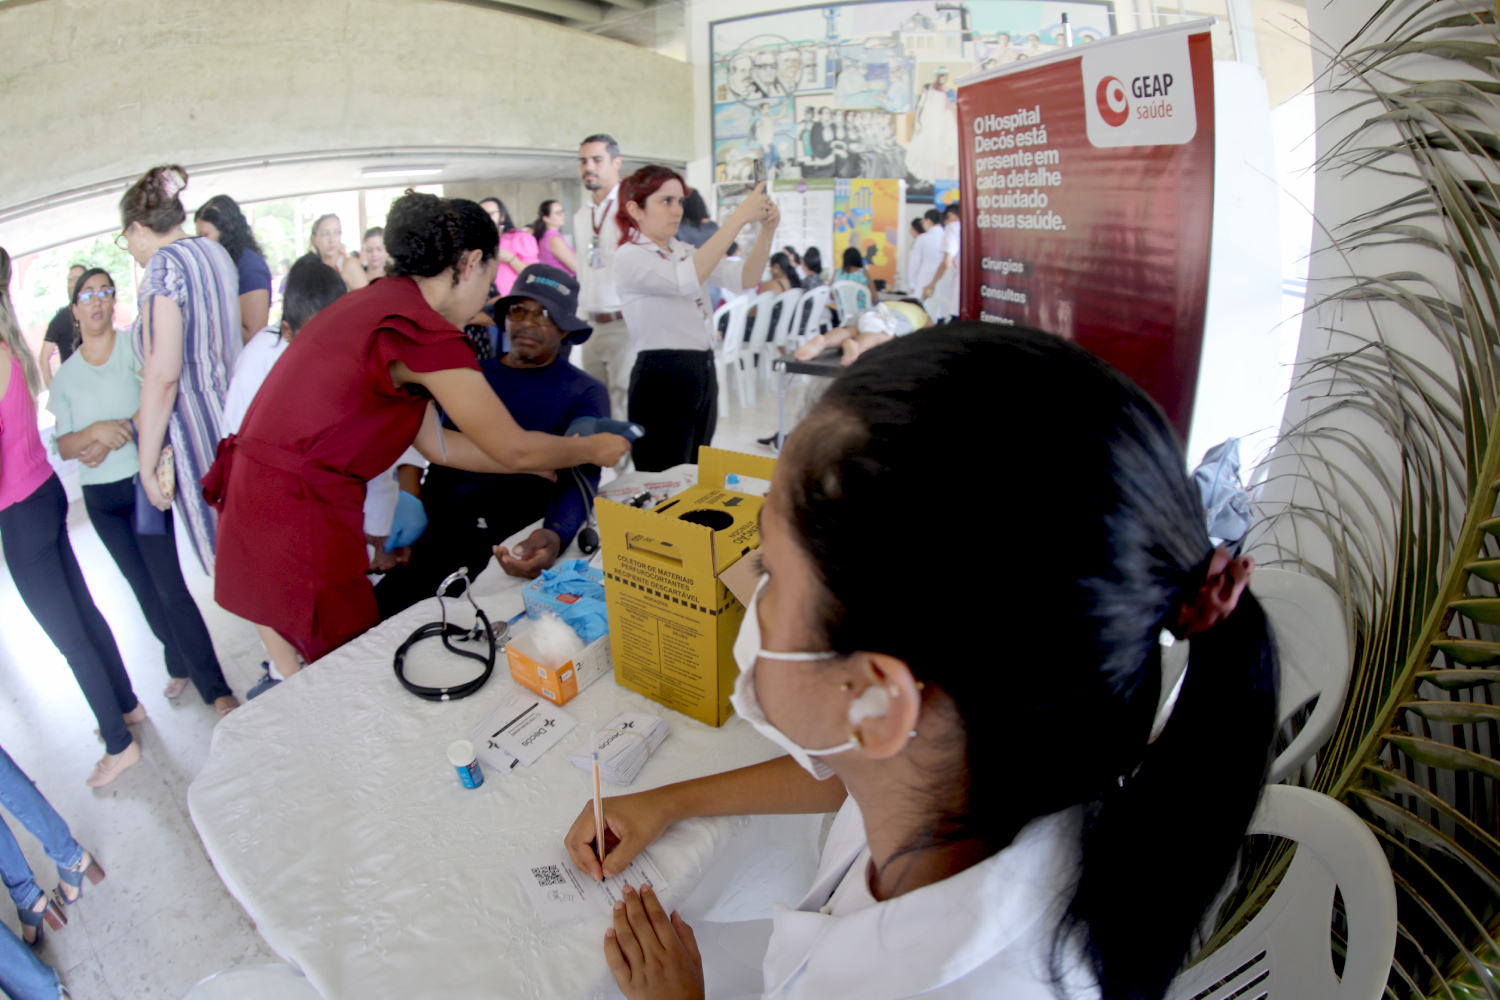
(588, 617)
(408, 524)
(574, 577)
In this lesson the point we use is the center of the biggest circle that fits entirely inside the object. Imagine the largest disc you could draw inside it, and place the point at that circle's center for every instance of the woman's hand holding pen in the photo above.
(631, 824)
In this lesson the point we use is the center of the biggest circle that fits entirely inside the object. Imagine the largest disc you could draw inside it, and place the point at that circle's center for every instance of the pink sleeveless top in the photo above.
(23, 460)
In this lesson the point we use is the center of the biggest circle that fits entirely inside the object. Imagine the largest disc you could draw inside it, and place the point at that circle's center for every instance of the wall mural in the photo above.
(867, 89)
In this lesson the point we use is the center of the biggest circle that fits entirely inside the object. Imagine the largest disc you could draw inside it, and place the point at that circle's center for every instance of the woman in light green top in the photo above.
(94, 396)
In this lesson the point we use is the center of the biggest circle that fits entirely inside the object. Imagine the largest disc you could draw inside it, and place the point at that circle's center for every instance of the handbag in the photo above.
(148, 519)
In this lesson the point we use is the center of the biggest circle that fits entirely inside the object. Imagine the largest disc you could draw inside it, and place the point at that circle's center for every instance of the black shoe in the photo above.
(263, 685)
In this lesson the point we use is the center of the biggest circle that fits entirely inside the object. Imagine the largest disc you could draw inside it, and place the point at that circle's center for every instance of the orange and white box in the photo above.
(561, 684)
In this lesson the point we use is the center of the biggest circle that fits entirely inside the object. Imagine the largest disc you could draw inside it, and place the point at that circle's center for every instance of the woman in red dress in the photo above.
(354, 389)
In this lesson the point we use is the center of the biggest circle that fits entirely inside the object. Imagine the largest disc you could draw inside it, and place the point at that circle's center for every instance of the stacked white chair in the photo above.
(812, 313)
(781, 334)
(851, 298)
(1284, 952)
(730, 351)
(760, 337)
(1307, 619)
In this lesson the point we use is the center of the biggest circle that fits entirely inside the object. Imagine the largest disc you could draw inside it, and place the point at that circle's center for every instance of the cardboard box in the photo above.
(562, 684)
(538, 600)
(672, 615)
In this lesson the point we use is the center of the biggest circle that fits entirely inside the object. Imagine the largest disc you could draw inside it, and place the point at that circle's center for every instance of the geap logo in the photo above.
(1139, 91)
(1113, 107)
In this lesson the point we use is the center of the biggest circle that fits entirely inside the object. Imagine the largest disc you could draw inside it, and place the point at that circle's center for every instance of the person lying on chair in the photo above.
(876, 326)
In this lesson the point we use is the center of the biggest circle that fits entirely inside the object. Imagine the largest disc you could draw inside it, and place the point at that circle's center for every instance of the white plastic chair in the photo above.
(785, 319)
(254, 982)
(852, 298)
(1284, 953)
(730, 351)
(760, 336)
(1307, 619)
(811, 313)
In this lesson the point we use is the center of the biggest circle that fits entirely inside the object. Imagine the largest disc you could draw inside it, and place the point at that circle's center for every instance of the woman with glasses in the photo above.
(94, 396)
(34, 539)
(186, 337)
(350, 394)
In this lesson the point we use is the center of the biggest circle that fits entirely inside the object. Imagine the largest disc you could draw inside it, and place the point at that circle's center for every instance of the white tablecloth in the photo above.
(330, 811)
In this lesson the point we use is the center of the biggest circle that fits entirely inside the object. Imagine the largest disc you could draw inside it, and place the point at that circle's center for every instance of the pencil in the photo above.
(598, 814)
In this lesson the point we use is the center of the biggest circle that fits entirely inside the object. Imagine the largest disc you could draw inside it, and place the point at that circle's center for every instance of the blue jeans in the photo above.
(23, 976)
(21, 799)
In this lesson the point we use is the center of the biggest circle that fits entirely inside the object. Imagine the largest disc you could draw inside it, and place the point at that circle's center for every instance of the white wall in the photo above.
(1341, 196)
(1239, 381)
(93, 92)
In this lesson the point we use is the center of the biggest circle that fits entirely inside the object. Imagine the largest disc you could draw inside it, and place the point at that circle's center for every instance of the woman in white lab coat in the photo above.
(1017, 817)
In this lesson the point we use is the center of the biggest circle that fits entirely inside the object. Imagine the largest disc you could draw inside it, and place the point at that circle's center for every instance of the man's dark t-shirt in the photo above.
(62, 332)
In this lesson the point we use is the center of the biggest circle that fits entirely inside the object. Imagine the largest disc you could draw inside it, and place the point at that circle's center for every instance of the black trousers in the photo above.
(149, 564)
(675, 396)
(34, 537)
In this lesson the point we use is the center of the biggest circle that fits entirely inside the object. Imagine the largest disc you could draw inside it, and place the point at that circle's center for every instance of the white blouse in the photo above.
(665, 306)
(986, 932)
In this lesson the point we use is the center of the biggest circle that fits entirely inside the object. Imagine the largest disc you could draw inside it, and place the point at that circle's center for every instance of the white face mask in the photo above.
(873, 702)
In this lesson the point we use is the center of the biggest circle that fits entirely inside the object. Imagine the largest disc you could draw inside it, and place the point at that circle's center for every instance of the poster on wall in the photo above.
(867, 217)
(867, 90)
(806, 215)
(1088, 182)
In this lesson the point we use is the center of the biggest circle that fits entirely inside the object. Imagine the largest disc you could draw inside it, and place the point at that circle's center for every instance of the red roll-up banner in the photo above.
(1087, 181)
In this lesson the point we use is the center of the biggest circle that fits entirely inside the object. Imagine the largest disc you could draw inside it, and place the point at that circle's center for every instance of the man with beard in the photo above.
(608, 356)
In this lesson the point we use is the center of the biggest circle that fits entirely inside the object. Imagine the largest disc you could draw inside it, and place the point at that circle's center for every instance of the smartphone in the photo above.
(758, 171)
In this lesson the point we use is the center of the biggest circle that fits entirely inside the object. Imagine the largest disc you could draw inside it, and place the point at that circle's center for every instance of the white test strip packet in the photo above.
(624, 743)
(518, 730)
(559, 891)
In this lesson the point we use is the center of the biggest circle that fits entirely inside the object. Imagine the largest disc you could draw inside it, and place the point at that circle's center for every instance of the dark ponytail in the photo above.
(1100, 538)
(1157, 849)
(425, 234)
(538, 227)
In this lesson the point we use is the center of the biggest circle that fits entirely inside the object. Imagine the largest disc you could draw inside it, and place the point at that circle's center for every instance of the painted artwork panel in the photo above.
(866, 214)
(867, 90)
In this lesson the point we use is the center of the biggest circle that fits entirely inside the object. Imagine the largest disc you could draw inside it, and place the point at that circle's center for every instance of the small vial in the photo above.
(461, 756)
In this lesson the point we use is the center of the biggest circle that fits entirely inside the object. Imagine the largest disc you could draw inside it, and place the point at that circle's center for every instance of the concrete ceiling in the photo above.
(84, 212)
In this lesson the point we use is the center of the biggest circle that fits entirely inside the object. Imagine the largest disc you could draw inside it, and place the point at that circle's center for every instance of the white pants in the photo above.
(608, 356)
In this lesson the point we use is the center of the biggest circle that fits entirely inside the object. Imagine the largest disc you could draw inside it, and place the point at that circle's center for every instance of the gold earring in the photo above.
(845, 686)
(921, 686)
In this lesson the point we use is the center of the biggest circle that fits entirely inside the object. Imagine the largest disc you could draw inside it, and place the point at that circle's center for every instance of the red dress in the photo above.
(290, 487)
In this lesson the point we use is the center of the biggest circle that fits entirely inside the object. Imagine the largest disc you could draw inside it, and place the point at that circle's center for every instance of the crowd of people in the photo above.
(409, 412)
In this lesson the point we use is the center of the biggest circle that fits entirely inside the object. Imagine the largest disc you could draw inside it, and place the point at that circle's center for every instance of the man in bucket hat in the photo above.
(469, 514)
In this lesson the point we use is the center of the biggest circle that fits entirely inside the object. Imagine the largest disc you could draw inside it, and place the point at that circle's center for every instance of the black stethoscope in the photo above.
(494, 634)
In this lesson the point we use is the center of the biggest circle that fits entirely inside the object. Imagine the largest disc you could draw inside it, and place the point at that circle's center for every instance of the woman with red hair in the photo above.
(663, 285)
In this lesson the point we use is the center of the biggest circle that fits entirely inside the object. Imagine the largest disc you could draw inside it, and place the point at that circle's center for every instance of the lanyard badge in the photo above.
(596, 255)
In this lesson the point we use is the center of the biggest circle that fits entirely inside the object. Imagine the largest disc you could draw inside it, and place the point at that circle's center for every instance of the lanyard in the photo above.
(596, 256)
(594, 218)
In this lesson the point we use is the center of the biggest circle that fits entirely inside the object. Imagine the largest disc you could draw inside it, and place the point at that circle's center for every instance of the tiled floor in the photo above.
(161, 920)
